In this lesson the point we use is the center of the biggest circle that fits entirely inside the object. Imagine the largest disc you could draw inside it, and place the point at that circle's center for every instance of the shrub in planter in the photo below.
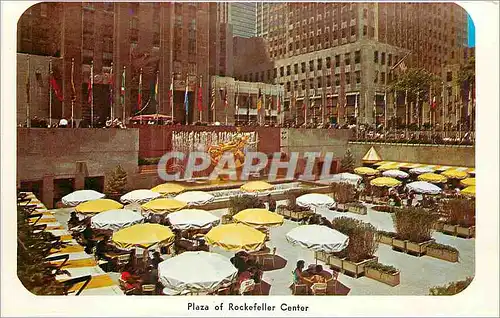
(461, 212)
(383, 208)
(442, 251)
(362, 243)
(116, 183)
(343, 192)
(241, 202)
(291, 203)
(451, 289)
(383, 273)
(414, 224)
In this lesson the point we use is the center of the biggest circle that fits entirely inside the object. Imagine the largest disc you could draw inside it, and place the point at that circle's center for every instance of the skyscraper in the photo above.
(242, 18)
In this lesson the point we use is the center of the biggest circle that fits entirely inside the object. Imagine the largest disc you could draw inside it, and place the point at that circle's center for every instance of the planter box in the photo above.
(386, 278)
(356, 269)
(466, 232)
(417, 248)
(295, 216)
(341, 207)
(399, 245)
(357, 209)
(335, 262)
(384, 239)
(438, 226)
(447, 255)
(322, 256)
(449, 229)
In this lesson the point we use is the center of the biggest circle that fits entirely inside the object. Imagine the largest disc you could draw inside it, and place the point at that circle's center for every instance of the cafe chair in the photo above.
(299, 289)
(334, 280)
(148, 289)
(270, 257)
(319, 288)
(247, 286)
(123, 286)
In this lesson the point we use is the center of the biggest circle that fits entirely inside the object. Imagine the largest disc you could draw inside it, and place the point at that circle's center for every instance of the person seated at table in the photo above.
(102, 247)
(131, 281)
(156, 260)
(298, 277)
(150, 276)
(254, 270)
(240, 261)
(132, 262)
(88, 241)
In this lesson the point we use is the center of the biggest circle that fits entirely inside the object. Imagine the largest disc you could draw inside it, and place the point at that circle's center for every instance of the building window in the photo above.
(328, 62)
(290, 47)
(348, 78)
(288, 70)
(296, 68)
(320, 64)
(311, 83)
(295, 85)
(303, 67)
(365, 13)
(311, 66)
(337, 60)
(282, 71)
(449, 76)
(375, 78)
(353, 30)
(347, 59)
(287, 86)
(358, 77)
(382, 58)
(365, 30)
(337, 80)
(357, 57)
(344, 33)
(319, 83)
(382, 77)
(303, 84)
(328, 81)
(375, 57)
(43, 9)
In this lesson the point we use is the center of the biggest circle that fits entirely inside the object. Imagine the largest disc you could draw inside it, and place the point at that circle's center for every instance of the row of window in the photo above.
(319, 82)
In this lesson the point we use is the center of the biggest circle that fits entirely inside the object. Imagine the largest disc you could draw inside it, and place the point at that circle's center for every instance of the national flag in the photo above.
(122, 88)
(259, 101)
(212, 105)
(200, 98)
(356, 106)
(90, 84)
(139, 93)
(186, 97)
(171, 93)
(278, 103)
(111, 86)
(156, 86)
(73, 90)
(469, 102)
(56, 88)
(375, 106)
(237, 101)
(225, 97)
(433, 103)
(313, 98)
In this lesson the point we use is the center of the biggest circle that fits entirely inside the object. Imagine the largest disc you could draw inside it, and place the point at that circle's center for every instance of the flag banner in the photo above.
(139, 93)
(225, 97)
(56, 88)
(73, 90)
(249, 104)
(213, 96)
(433, 103)
(356, 106)
(171, 93)
(259, 101)
(237, 101)
(186, 97)
(313, 100)
(375, 106)
(90, 84)
(200, 98)
(122, 88)
(278, 102)
(111, 86)
(156, 86)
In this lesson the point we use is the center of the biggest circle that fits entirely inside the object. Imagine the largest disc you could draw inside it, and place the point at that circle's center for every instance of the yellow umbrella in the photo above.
(168, 188)
(98, 206)
(455, 174)
(162, 206)
(256, 186)
(385, 182)
(388, 166)
(143, 235)
(468, 182)
(258, 217)
(235, 237)
(470, 191)
(366, 171)
(432, 177)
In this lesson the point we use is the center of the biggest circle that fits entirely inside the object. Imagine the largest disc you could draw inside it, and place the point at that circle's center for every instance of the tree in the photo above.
(417, 81)
(347, 163)
(467, 72)
(116, 181)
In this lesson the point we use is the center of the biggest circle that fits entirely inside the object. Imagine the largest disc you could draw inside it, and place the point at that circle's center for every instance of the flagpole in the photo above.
(237, 103)
(356, 111)
(111, 94)
(385, 112)
(172, 98)
(186, 99)
(225, 106)
(124, 91)
(92, 94)
(157, 94)
(443, 105)
(73, 92)
(406, 113)
(28, 94)
(200, 106)
(50, 93)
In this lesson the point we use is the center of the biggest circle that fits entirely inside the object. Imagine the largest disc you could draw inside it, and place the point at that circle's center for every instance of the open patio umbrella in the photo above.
(235, 237)
(424, 187)
(115, 220)
(470, 191)
(139, 196)
(395, 174)
(80, 196)
(256, 186)
(455, 174)
(318, 238)
(468, 182)
(197, 272)
(385, 182)
(421, 170)
(168, 188)
(192, 219)
(366, 171)
(193, 198)
(143, 235)
(315, 200)
(97, 206)
(258, 218)
(163, 206)
(432, 177)
(342, 177)
(388, 166)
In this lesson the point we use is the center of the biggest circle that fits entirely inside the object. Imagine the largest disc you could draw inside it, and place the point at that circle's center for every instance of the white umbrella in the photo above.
(421, 170)
(115, 219)
(342, 177)
(191, 219)
(139, 196)
(395, 174)
(318, 238)
(424, 187)
(79, 196)
(315, 200)
(195, 198)
(196, 271)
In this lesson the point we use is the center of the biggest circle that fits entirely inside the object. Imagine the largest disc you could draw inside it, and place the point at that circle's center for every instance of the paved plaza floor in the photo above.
(418, 274)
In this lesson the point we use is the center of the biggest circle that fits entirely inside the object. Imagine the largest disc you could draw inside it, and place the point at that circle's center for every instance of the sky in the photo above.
(472, 32)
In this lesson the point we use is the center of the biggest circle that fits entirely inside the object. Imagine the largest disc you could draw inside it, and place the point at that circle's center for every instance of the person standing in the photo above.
(271, 203)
